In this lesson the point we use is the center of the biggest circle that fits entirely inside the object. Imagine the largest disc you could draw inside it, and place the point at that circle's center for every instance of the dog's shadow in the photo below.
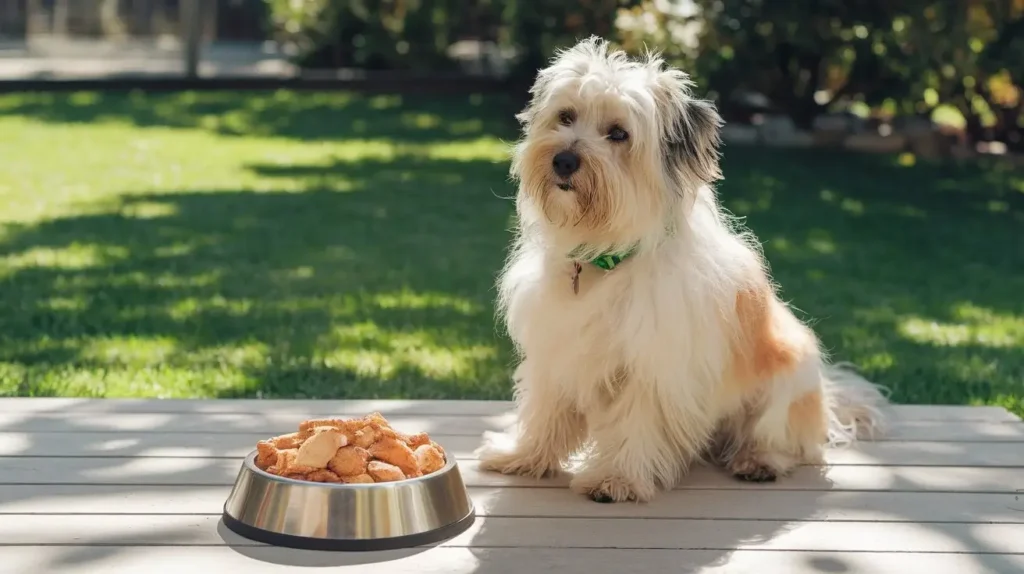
(700, 524)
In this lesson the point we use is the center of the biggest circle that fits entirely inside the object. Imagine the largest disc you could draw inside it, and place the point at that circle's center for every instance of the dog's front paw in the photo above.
(509, 459)
(612, 488)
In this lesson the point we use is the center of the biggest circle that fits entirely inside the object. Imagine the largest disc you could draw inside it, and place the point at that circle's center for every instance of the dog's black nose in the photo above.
(566, 163)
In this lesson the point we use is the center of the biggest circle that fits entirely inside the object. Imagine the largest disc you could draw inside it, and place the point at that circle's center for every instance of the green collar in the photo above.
(607, 260)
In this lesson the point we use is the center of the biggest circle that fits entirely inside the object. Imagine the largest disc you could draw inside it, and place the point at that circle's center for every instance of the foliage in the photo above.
(910, 56)
(306, 23)
(537, 29)
(370, 34)
(806, 56)
(660, 25)
(416, 34)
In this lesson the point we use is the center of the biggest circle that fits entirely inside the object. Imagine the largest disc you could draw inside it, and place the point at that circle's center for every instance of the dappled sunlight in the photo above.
(879, 362)
(849, 205)
(72, 257)
(193, 307)
(817, 242)
(15, 444)
(410, 300)
(179, 249)
(58, 303)
(149, 209)
(370, 351)
(955, 334)
(279, 113)
(421, 120)
(759, 190)
(128, 349)
(852, 206)
(488, 148)
(971, 325)
(820, 241)
(177, 452)
(116, 445)
(970, 368)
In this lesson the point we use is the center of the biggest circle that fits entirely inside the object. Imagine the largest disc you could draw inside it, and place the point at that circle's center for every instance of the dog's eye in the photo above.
(566, 117)
(617, 134)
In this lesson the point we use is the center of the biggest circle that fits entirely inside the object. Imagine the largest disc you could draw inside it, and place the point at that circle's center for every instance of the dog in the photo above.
(649, 334)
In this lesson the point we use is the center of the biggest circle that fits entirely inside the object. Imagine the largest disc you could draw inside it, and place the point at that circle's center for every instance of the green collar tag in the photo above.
(607, 261)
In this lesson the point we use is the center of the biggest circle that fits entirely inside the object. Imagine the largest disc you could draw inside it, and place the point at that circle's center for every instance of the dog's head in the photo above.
(611, 144)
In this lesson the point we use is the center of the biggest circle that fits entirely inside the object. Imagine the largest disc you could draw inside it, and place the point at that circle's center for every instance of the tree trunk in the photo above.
(191, 21)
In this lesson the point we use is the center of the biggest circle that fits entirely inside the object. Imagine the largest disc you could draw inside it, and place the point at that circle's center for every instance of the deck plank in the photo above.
(904, 453)
(298, 407)
(240, 443)
(822, 506)
(81, 559)
(301, 409)
(222, 472)
(214, 425)
(290, 407)
(652, 533)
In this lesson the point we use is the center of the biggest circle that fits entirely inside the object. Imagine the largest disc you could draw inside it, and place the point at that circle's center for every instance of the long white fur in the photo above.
(630, 370)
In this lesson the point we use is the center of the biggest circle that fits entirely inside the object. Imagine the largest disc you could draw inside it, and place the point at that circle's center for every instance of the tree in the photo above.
(537, 29)
(908, 56)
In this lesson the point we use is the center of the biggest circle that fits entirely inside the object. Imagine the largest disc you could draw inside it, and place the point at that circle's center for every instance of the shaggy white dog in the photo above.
(650, 334)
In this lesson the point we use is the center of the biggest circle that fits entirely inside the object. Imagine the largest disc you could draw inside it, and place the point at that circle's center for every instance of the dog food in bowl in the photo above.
(351, 451)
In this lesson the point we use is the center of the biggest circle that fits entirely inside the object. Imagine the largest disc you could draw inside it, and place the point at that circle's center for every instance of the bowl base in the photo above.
(349, 545)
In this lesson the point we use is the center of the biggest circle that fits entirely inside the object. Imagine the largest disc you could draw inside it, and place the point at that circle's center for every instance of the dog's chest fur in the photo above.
(640, 323)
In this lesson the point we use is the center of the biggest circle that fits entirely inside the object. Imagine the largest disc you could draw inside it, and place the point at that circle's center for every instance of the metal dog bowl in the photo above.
(353, 517)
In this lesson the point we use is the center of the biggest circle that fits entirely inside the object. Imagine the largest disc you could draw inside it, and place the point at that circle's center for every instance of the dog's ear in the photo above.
(696, 140)
(691, 133)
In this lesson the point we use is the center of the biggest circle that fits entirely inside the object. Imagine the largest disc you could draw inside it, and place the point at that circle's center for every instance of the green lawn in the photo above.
(329, 245)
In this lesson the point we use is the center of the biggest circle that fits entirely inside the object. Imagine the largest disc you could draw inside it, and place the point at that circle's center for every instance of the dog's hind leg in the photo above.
(781, 420)
(769, 440)
(794, 428)
(794, 405)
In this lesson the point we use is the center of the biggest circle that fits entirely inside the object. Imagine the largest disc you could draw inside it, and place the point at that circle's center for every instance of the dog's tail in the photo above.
(855, 405)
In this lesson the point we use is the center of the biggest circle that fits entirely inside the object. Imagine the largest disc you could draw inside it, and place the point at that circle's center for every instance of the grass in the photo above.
(331, 245)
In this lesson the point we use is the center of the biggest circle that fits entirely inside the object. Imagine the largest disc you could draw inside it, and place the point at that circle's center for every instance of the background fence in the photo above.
(103, 39)
(75, 39)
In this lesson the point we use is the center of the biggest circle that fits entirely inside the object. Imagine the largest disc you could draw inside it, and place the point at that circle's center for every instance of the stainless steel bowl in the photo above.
(353, 517)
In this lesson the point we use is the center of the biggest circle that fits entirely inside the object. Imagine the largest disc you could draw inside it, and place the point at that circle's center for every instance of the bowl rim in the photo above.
(249, 462)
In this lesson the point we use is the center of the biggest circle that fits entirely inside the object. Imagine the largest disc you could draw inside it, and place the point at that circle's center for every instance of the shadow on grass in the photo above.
(307, 116)
(913, 273)
(385, 290)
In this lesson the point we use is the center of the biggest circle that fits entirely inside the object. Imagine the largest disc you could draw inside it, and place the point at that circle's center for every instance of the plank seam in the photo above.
(192, 486)
(248, 544)
(576, 517)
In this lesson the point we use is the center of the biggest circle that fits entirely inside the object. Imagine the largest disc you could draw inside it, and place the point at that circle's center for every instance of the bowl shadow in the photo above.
(309, 558)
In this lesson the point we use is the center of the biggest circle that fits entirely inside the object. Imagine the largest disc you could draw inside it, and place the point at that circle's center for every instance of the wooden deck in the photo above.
(111, 486)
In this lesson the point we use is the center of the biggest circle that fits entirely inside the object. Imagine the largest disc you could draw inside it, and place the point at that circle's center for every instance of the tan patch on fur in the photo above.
(808, 422)
(770, 341)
